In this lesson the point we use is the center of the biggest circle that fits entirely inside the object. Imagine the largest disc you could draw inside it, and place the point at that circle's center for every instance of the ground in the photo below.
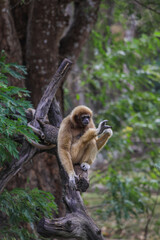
(132, 229)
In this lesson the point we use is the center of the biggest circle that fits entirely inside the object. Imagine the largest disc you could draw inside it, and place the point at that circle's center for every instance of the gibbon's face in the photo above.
(85, 119)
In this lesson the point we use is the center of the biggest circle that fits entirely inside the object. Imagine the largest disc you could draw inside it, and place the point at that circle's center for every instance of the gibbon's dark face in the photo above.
(85, 119)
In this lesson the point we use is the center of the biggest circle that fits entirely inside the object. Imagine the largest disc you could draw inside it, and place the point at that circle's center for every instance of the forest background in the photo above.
(115, 48)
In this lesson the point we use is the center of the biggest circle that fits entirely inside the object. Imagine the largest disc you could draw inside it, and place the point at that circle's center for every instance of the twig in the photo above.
(143, 5)
(150, 216)
(47, 98)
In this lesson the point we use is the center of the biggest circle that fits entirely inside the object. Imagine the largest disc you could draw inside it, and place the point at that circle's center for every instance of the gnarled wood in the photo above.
(47, 98)
(28, 151)
(76, 224)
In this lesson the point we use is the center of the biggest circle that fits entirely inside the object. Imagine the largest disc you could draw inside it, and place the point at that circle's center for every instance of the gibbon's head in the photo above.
(80, 116)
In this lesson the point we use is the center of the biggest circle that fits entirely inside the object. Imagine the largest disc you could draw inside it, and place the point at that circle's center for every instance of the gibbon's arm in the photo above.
(89, 135)
(64, 148)
(93, 132)
(103, 139)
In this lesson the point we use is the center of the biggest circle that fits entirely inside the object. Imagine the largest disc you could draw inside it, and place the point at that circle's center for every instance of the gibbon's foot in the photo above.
(85, 166)
(72, 181)
(109, 131)
(102, 126)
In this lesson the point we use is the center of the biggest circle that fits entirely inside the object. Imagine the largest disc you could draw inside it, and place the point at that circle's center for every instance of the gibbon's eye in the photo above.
(85, 119)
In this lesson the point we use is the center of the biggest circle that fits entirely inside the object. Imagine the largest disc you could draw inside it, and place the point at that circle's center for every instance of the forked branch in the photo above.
(28, 151)
(76, 224)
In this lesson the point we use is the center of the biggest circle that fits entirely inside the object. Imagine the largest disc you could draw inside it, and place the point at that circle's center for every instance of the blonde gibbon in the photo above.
(79, 140)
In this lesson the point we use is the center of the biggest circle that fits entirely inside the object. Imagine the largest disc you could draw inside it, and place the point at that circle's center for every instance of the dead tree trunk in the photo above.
(76, 223)
(33, 33)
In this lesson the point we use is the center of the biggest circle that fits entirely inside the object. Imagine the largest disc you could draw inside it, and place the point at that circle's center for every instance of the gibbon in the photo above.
(49, 129)
(79, 140)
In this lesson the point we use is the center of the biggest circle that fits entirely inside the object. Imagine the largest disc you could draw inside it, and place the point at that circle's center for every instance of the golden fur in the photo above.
(79, 144)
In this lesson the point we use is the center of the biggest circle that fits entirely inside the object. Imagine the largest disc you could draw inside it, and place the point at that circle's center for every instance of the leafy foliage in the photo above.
(123, 198)
(122, 84)
(20, 208)
(13, 105)
(24, 206)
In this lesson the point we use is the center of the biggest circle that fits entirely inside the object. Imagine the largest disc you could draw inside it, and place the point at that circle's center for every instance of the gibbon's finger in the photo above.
(104, 129)
(108, 131)
(104, 122)
(101, 127)
(72, 182)
(107, 126)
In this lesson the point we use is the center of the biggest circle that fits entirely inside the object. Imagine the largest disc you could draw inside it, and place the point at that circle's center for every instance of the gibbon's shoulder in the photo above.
(65, 124)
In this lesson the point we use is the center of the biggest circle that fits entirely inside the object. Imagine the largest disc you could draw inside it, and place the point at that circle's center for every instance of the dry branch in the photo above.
(28, 151)
(76, 224)
(47, 98)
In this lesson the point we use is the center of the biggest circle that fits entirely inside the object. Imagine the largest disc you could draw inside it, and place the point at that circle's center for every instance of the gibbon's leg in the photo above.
(93, 147)
(89, 155)
(66, 161)
(68, 166)
(78, 148)
(77, 151)
(102, 140)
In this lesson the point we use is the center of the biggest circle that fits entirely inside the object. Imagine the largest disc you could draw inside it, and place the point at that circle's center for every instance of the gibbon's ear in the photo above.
(76, 119)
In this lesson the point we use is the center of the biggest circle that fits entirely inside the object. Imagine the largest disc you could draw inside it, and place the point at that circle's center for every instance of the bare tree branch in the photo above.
(28, 151)
(47, 98)
(76, 224)
(85, 15)
(9, 40)
(147, 6)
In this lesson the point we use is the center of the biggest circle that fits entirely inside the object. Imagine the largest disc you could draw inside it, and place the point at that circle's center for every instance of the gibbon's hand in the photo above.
(85, 166)
(108, 131)
(72, 181)
(102, 127)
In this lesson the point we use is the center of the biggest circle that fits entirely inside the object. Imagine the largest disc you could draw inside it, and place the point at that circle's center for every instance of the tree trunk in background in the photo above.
(39, 34)
(43, 37)
(8, 38)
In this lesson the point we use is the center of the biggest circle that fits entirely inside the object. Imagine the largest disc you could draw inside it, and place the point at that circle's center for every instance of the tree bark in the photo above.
(9, 41)
(76, 223)
(85, 15)
(28, 151)
(37, 37)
